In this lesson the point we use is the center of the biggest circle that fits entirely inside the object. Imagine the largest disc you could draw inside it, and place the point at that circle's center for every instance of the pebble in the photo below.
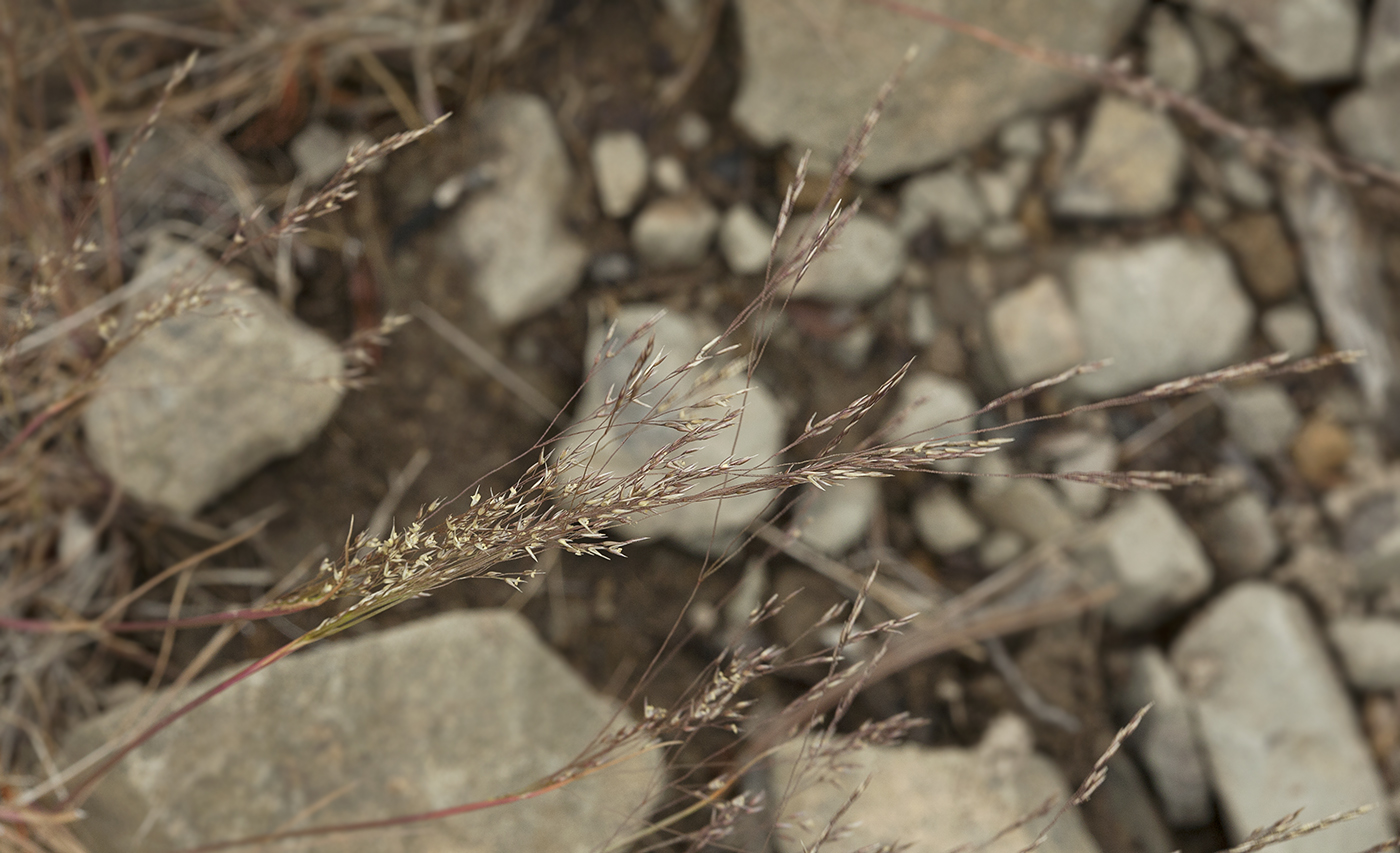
(669, 175)
(620, 171)
(1244, 183)
(1172, 57)
(1165, 743)
(1382, 54)
(1369, 649)
(196, 403)
(1031, 508)
(865, 259)
(1001, 189)
(810, 84)
(1161, 309)
(522, 258)
(1022, 137)
(1083, 451)
(1240, 537)
(1157, 563)
(1003, 237)
(1261, 418)
(1217, 42)
(923, 321)
(1291, 328)
(745, 240)
(1265, 256)
(1129, 164)
(1321, 452)
(1367, 121)
(1279, 731)
(1310, 41)
(948, 199)
(693, 132)
(674, 232)
(318, 152)
(944, 523)
(1034, 332)
(933, 406)
(484, 709)
(1123, 813)
(999, 548)
(932, 799)
(697, 526)
(835, 519)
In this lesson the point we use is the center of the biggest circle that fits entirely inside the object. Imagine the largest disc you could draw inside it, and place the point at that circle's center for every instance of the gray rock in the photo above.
(923, 321)
(944, 524)
(620, 169)
(1084, 451)
(1123, 814)
(1172, 57)
(1022, 137)
(693, 132)
(948, 199)
(1001, 189)
(745, 240)
(932, 799)
(1034, 333)
(934, 406)
(865, 259)
(1166, 742)
(1161, 309)
(1004, 237)
(1219, 44)
(811, 83)
(675, 232)
(1029, 507)
(1129, 164)
(1245, 184)
(1279, 731)
(1369, 650)
(834, 519)
(1240, 537)
(318, 152)
(201, 400)
(1382, 54)
(669, 175)
(522, 257)
(1157, 563)
(1291, 328)
(460, 707)
(1261, 418)
(1367, 122)
(626, 448)
(999, 548)
(1310, 41)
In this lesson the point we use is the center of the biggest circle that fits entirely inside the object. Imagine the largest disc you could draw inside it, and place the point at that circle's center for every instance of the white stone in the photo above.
(1172, 58)
(452, 709)
(1310, 41)
(522, 258)
(835, 519)
(810, 82)
(943, 522)
(199, 401)
(932, 799)
(932, 407)
(1162, 310)
(318, 152)
(669, 175)
(1031, 508)
(1034, 333)
(1166, 742)
(999, 548)
(1084, 452)
(674, 232)
(693, 132)
(745, 240)
(1370, 651)
(620, 167)
(1279, 730)
(1261, 418)
(865, 259)
(1129, 165)
(626, 448)
(1157, 563)
(1291, 328)
(948, 199)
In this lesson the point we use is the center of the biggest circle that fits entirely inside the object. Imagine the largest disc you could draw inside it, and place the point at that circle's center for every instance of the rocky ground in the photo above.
(1015, 221)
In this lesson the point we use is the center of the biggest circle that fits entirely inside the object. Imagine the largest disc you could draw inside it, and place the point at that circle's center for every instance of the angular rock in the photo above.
(620, 169)
(745, 240)
(1279, 731)
(1129, 165)
(861, 264)
(201, 400)
(935, 799)
(523, 259)
(1157, 563)
(675, 232)
(1310, 41)
(1166, 742)
(1265, 256)
(944, 524)
(459, 707)
(626, 448)
(1367, 122)
(834, 519)
(1162, 309)
(1172, 57)
(1291, 328)
(810, 84)
(1261, 418)
(948, 199)
(1369, 650)
(1382, 54)
(1240, 537)
(1034, 333)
